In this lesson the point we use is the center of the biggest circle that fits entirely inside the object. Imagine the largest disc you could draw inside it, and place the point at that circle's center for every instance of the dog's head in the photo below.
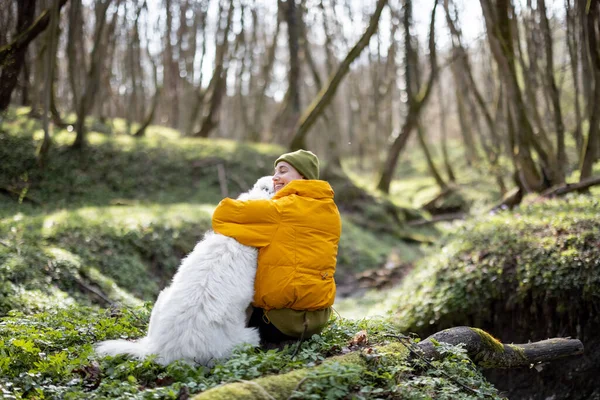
(262, 189)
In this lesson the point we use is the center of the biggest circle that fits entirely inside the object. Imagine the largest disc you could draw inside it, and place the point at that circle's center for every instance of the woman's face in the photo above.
(284, 174)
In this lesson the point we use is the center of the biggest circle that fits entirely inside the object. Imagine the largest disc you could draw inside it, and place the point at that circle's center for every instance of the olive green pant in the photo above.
(290, 323)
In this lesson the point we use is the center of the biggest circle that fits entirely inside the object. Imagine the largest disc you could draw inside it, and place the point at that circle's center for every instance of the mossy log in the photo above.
(282, 386)
(488, 352)
(481, 347)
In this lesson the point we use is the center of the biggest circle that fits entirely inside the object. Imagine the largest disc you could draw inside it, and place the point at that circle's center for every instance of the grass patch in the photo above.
(107, 247)
(49, 355)
(156, 169)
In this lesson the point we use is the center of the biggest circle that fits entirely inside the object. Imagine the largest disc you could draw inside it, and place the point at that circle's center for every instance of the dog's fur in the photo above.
(201, 316)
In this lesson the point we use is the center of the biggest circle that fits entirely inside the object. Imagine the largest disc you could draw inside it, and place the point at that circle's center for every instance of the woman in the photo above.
(297, 234)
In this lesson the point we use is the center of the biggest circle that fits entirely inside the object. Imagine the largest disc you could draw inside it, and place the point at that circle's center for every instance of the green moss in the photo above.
(519, 351)
(110, 247)
(489, 341)
(505, 262)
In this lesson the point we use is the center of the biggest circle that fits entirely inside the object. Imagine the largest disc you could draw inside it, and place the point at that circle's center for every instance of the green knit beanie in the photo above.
(304, 161)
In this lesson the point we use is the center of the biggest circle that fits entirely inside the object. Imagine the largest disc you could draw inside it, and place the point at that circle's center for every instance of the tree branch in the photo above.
(487, 352)
(571, 187)
(327, 92)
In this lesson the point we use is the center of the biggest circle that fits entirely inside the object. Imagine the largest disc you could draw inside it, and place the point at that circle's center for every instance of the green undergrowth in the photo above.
(107, 249)
(89, 224)
(49, 355)
(527, 274)
(56, 258)
(120, 169)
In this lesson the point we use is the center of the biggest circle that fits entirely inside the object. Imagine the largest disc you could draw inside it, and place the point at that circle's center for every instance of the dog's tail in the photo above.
(139, 349)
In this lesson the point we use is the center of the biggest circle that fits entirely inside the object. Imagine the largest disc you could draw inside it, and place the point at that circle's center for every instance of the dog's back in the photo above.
(201, 316)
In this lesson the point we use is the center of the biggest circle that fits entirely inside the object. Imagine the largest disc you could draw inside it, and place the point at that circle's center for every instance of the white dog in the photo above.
(201, 317)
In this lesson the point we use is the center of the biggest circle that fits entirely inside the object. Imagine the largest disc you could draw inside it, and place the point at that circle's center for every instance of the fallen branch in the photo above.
(97, 292)
(488, 352)
(571, 187)
(22, 196)
(437, 218)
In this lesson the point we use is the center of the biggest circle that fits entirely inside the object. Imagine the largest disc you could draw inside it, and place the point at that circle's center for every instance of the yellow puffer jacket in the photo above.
(297, 233)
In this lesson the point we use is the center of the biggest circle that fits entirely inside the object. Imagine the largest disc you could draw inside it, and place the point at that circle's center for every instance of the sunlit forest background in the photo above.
(513, 84)
(461, 138)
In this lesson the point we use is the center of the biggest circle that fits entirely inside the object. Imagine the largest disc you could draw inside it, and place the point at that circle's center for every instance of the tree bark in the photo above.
(259, 99)
(468, 71)
(430, 164)
(199, 93)
(444, 131)
(499, 35)
(592, 145)
(561, 155)
(581, 186)
(488, 352)
(283, 125)
(416, 102)
(87, 98)
(148, 120)
(51, 44)
(573, 46)
(74, 38)
(464, 125)
(218, 81)
(12, 55)
(327, 93)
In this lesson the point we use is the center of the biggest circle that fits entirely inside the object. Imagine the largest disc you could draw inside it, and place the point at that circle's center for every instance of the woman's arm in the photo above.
(251, 222)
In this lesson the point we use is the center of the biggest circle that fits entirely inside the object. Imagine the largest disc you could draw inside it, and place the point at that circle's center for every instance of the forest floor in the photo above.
(74, 236)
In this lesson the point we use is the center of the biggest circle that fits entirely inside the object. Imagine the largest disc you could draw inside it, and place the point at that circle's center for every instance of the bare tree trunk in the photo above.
(587, 74)
(501, 42)
(444, 131)
(259, 99)
(170, 69)
(327, 93)
(12, 56)
(218, 82)
(415, 103)
(528, 61)
(132, 65)
(283, 124)
(52, 42)
(491, 353)
(573, 47)
(148, 120)
(244, 68)
(592, 146)
(86, 101)
(199, 93)
(329, 115)
(465, 126)
(430, 164)
(75, 63)
(561, 154)
(468, 71)
(25, 87)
